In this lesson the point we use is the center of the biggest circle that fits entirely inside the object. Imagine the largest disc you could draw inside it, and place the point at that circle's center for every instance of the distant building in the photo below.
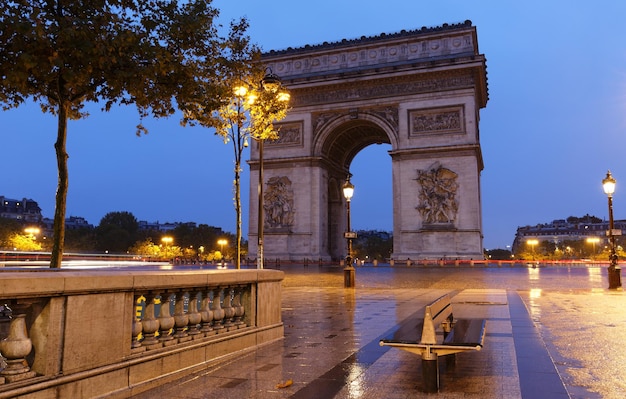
(77, 222)
(28, 211)
(71, 223)
(163, 227)
(572, 229)
(25, 210)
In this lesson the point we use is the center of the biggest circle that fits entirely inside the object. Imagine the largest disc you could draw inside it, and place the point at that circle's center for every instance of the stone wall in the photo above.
(105, 333)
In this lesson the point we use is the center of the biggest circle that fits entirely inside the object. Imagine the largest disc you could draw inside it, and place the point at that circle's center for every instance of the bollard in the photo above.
(348, 277)
(348, 274)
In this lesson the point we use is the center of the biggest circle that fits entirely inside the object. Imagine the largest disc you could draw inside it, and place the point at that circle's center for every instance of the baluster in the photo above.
(181, 319)
(207, 314)
(150, 323)
(166, 321)
(16, 347)
(229, 311)
(195, 318)
(239, 309)
(137, 326)
(218, 312)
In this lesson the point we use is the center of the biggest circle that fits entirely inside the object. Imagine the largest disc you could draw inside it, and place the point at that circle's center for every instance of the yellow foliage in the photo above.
(24, 243)
(285, 384)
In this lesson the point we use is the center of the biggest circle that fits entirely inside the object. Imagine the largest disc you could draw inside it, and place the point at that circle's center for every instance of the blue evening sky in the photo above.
(554, 123)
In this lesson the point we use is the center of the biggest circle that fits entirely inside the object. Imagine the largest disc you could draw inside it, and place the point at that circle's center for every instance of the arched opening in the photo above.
(340, 147)
(372, 204)
(373, 199)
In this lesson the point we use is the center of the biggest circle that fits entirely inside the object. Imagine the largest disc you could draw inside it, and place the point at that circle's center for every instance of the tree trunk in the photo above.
(61, 195)
(238, 210)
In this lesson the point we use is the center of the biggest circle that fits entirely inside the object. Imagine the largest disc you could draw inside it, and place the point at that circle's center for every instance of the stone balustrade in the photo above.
(115, 333)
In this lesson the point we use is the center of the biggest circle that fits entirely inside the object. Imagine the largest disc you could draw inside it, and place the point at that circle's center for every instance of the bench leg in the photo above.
(450, 360)
(430, 372)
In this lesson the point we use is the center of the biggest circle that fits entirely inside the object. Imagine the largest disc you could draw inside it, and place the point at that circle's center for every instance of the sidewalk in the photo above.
(331, 346)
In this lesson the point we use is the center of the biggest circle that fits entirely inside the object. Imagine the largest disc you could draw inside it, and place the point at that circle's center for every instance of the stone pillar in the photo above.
(15, 348)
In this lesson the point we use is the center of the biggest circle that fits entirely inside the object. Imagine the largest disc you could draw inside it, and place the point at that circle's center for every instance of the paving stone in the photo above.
(538, 328)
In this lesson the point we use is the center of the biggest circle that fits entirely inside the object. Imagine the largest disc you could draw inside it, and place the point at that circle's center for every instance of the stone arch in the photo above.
(420, 91)
(338, 142)
(335, 139)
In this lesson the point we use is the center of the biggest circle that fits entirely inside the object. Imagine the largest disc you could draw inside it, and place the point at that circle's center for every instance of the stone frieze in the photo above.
(437, 120)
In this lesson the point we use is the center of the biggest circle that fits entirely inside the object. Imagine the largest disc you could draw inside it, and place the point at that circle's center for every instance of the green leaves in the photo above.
(158, 55)
(153, 54)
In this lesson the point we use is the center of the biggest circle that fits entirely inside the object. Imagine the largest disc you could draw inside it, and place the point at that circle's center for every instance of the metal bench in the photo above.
(419, 336)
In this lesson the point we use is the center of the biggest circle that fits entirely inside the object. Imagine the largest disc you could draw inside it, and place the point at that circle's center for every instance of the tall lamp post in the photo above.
(615, 280)
(348, 271)
(270, 84)
(532, 242)
(261, 213)
(593, 241)
(221, 242)
(167, 240)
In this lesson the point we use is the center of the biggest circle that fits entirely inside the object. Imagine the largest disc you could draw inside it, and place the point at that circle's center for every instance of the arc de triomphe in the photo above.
(420, 91)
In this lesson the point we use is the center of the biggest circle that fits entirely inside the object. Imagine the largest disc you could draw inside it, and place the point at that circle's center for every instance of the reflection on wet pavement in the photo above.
(331, 350)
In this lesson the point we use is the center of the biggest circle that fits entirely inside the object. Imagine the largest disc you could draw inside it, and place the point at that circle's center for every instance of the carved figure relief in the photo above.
(278, 203)
(380, 89)
(388, 113)
(438, 197)
(448, 120)
(288, 134)
(319, 120)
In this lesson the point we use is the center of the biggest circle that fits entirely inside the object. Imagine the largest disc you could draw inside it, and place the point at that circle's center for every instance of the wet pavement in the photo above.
(552, 332)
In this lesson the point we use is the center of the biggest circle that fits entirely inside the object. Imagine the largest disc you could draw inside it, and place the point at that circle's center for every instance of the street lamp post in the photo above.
(593, 241)
(167, 240)
(270, 84)
(615, 280)
(259, 251)
(349, 272)
(221, 242)
(532, 242)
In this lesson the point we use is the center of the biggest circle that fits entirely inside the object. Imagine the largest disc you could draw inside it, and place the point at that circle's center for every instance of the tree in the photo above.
(498, 254)
(8, 227)
(146, 248)
(23, 242)
(253, 108)
(373, 245)
(117, 232)
(156, 55)
(80, 239)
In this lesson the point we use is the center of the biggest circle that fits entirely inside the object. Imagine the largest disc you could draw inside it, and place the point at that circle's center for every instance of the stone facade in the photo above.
(24, 210)
(421, 92)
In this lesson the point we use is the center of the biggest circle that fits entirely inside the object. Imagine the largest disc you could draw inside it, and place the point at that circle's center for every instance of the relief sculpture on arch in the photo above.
(278, 204)
(437, 202)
